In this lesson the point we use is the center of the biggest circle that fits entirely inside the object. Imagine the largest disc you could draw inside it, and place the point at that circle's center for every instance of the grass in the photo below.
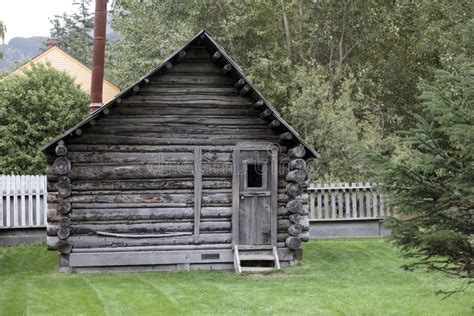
(337, 277)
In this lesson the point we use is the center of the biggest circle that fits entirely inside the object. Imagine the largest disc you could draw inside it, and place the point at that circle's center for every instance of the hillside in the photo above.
(20, 49)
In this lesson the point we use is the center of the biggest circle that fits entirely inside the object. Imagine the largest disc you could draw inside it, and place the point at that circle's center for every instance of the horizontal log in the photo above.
(286, 136)
(61, 149)
(216, 56)
(297, 164)
(295, 206)
(295, 230)
(283, 224)
(295, 218)
(64, 207)
(196, 68)
(293, 242)
(149, 228)
(64, 221)
(64, 232)
(298, 176)
(227, 109)
(154, 248)
(61, 165)
(274, 124)
(52, 230)
(149, 213)
(143, 148)
(259, 104)
(240, 83)
(282, 211)
(191, 90)
(150, 171)
(152, 197)
(226, 68)
(167, 158)
(177, 139)
(100, 241)
(192, 79)
(297, 152)
(52, 216)
(266, 114)
(245, 89)
(294, 189)
(64, 189)
(149, 184)
(64, 247)
(281, 237)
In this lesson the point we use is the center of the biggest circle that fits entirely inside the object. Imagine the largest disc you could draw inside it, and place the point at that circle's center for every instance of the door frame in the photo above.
(262, 146)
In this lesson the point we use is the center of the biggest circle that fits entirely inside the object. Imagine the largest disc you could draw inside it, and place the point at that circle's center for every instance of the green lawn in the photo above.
(337, 277)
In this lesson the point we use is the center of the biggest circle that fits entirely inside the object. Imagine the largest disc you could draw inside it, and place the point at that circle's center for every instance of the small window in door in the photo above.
(255, 175)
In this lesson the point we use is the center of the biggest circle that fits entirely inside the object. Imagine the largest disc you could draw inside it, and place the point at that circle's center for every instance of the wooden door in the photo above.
(256, 172)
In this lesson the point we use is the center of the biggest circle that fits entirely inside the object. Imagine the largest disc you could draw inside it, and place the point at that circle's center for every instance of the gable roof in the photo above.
(63, 61)
(202, 37)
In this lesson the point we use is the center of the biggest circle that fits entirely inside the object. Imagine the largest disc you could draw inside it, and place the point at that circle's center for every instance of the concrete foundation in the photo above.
(348, 228)
(18, 236)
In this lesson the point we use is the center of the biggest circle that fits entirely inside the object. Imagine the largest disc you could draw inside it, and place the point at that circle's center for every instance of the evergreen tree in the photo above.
(35, 106)
(74, 31)
(430, 179)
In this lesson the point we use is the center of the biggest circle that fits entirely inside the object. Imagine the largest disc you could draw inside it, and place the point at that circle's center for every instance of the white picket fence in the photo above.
(23, 201)
(345, 201)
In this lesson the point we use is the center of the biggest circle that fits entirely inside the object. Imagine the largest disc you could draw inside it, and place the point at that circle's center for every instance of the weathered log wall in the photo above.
(133, 171)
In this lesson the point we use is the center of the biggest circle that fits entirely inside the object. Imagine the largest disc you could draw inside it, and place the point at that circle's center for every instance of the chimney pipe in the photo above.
(98, 54)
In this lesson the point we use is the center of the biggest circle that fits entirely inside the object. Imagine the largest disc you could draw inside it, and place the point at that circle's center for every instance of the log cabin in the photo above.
(189, 168)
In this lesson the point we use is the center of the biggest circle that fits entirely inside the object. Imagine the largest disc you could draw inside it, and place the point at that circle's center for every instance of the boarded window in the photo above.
(255, 175)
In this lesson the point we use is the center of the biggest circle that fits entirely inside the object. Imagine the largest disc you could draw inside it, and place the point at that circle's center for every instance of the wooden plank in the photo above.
(149, 258)
(354, 202)
(326, 203)
(8, 200)
(375, 203)
(22, 202)
(333, 204)
(367, 201)
(148, 213)
(274, 196)
(320, 206)
(30, 200)
(37, 201)
(382, 205)
(15, 191)
(45, 199)
(347, 194)
(197, 192)
(360, 194)
(2, 194)
(312, 213)
(340, 205)
(235, 197)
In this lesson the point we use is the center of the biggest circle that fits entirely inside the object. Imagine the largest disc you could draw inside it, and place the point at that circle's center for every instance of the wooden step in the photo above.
(256, 257)
(257, 269)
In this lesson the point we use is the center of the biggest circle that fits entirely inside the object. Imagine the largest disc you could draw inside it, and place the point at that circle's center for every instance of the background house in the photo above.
(62, 61)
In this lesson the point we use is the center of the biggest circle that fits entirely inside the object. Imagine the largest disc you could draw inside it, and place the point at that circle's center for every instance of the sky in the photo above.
(27, 18)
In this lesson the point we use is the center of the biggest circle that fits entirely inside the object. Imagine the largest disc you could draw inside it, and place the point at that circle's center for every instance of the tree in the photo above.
(74, 31)
(3, 30)
(430, 178)
(372, 53)
(36, 106)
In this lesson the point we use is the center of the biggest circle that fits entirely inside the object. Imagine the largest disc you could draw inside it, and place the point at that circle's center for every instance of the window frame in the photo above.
(264, 164)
